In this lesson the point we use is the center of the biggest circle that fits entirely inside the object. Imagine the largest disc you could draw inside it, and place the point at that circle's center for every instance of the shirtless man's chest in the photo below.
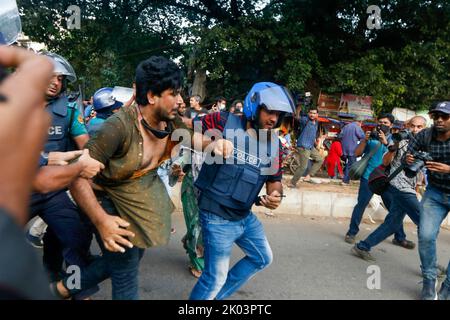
(153, 149)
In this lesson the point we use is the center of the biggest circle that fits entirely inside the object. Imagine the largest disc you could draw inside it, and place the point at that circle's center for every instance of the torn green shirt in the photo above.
(139, 196)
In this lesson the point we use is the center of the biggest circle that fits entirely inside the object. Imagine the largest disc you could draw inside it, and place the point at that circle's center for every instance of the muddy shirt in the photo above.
(138, 195)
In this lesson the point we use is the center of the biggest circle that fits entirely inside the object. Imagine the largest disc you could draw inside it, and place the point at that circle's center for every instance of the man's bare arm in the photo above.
(56, 158)
(55, 177)
(81, 140)
(84, 196)
(362, 145)
(272, 186)
(52, 178)
(274, 191)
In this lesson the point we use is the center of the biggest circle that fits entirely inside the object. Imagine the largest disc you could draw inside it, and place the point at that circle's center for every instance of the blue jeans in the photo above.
(435, 206)
(349, 160)
(122, 268)
(219, 235)
(402, 203)
(69, 235)
(364, 196)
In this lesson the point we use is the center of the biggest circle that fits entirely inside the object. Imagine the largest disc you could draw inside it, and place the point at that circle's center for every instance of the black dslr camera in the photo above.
(401, 135)
(304, 99)
(375, 134)
(419, 162)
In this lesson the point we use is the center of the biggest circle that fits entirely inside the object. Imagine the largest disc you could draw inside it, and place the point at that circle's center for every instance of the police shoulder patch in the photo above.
(80, 119)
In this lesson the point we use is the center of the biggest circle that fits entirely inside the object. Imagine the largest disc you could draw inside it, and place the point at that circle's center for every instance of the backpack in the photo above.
(379, 178)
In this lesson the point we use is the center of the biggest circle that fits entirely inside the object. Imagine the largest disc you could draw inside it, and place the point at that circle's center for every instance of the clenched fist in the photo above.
(90, 166)
(223, 148)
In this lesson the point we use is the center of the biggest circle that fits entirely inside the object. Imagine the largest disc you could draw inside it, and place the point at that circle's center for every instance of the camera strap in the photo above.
(395, 173)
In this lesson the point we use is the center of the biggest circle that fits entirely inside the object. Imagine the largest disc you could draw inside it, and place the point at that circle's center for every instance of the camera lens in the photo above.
(374, 135)
(412, 170)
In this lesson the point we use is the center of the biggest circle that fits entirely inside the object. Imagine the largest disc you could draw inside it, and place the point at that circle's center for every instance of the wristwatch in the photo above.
(44, 157)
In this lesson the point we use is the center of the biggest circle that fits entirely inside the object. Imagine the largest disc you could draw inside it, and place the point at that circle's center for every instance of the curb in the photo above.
(309, 203)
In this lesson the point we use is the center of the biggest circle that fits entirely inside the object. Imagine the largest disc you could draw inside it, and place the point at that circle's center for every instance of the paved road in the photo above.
(311, 261)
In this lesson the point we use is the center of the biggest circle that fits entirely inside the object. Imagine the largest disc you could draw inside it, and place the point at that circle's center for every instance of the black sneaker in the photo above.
(429, 290)
(363, 254)
(444, 293)
(34, 241)
(407, 244)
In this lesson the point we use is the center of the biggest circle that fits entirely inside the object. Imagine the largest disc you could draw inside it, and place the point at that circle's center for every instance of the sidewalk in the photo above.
(326, 198)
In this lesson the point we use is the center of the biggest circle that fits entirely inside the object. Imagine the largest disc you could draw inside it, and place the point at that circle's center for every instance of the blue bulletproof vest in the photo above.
(59, 132)
(237, 185)
(59, 139)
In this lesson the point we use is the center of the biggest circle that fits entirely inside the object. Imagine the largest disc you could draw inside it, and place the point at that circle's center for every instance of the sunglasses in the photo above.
(437, 115)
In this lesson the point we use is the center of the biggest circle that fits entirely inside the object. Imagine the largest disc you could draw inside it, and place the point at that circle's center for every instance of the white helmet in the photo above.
(62, 66)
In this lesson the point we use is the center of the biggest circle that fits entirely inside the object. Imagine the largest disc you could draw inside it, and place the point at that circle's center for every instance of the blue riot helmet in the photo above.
(104, 102)
(271, 96)
(10, 25)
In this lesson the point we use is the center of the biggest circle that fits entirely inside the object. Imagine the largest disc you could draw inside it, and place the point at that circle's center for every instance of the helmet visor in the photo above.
(276, 99)
(10, 25)
(62, 66)
(104, 100)
(122, 94)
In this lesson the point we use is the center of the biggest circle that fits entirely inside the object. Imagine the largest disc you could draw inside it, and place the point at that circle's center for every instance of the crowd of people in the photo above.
(110, 188)
(408, 159)
(106, 172)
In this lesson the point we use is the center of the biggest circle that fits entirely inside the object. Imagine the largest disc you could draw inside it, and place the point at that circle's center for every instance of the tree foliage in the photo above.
(307, 45)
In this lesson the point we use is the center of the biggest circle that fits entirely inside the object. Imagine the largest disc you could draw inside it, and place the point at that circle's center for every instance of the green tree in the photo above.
(304, 44)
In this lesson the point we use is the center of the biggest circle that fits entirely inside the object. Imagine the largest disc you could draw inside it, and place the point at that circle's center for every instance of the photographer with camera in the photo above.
(307, 146)
(433, 143)
(375, 144)
(401, 187)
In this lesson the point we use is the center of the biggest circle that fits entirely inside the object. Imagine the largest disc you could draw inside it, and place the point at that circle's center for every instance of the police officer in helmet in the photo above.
(105, 106)
(67, 122)
(68, 235)
(228, 189)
